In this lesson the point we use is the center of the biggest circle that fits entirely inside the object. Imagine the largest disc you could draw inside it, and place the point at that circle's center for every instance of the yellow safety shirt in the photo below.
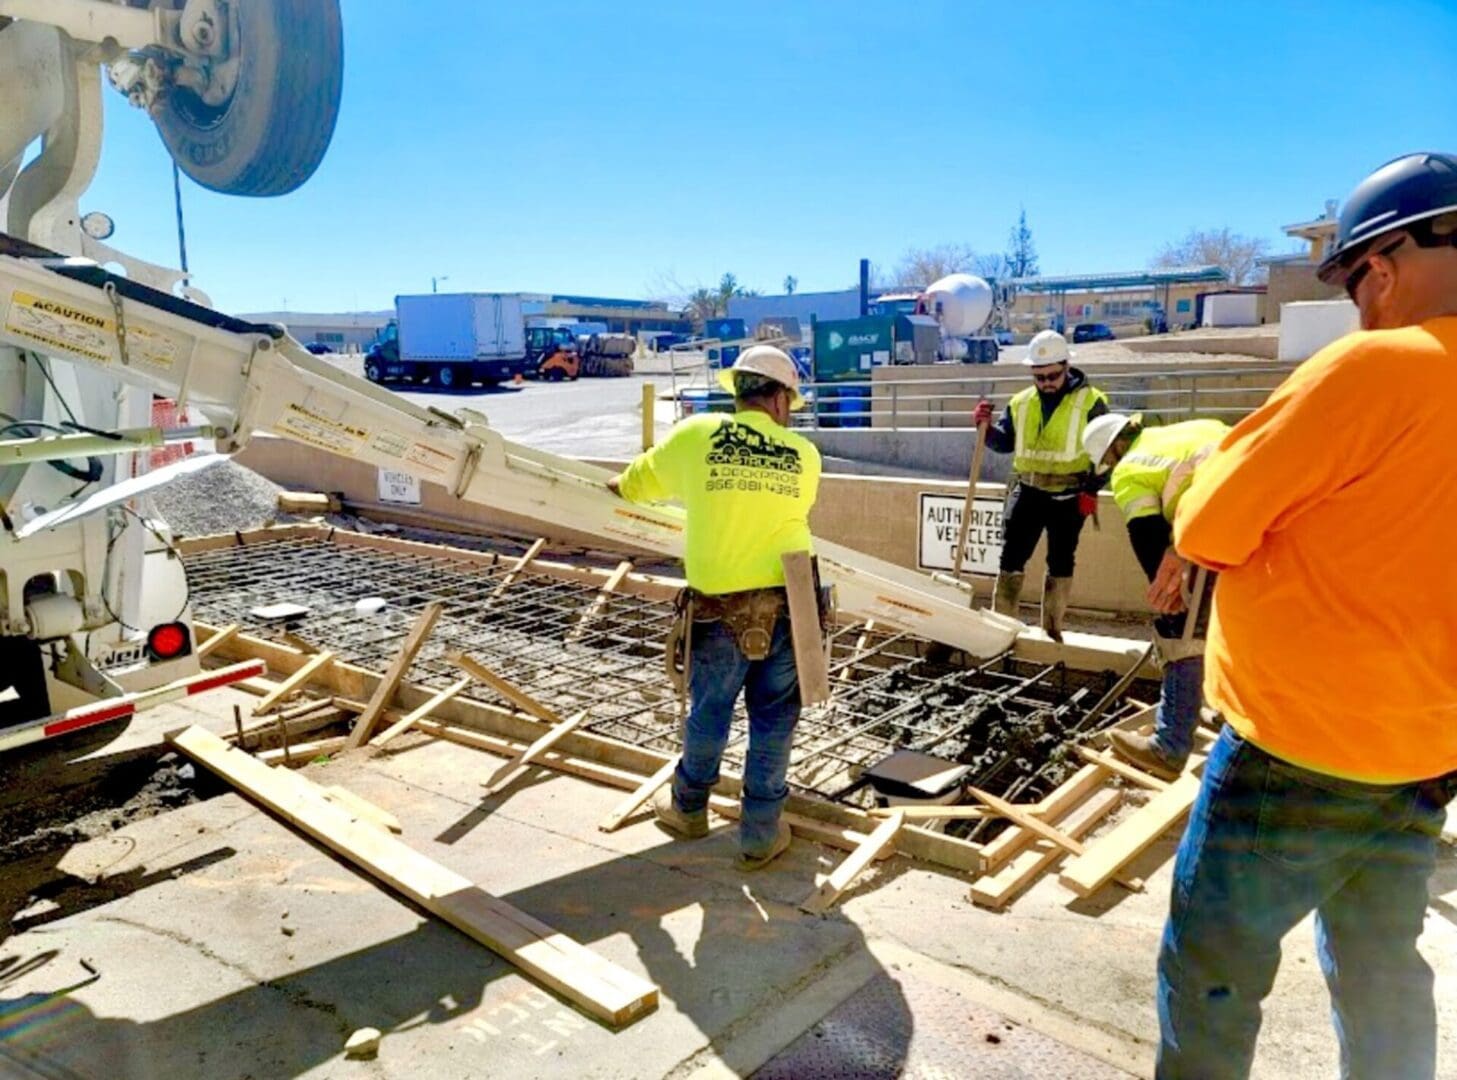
(1054, 447)
(1153, 475)
(747, 485)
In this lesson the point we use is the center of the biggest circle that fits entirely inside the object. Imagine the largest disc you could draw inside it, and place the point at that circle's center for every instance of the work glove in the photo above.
(982, 414)
(1166, 594)
(1087, 504)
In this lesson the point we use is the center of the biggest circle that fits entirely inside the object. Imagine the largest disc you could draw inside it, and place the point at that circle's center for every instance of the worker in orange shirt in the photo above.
(1332, 654)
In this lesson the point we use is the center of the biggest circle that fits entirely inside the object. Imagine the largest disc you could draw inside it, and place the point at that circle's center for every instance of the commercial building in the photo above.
(821, 306)
(344, 332)
(1120, 298)
(1292, 277)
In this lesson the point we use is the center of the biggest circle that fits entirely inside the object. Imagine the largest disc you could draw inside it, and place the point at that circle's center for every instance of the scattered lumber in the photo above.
(1071, 793)
(410, 719)
(804, 621)
(1104, 861)
(608, 992)
(840, 879)
(300, 754)
(385, 691)
(997, 890)
(935, 813)
(1114, 764)
(294, 683)
(504, 775)
(1046, 831)
(226, 634)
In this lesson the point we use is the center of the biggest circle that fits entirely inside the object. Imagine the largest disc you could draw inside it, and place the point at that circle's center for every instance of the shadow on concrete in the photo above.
(730, 952)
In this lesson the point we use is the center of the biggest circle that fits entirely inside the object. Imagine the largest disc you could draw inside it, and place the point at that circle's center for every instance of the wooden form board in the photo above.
(385, 691)
(804, 621)
(350, 682)
(220, 637)
(608, 992)
(851, 867)
(1103, 861)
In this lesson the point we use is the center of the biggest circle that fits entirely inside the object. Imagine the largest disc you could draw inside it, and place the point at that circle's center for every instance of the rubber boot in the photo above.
(1008, 593)
(1055, 593)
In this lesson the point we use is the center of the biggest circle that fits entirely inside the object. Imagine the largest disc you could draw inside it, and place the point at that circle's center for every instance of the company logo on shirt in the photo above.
(738, 444)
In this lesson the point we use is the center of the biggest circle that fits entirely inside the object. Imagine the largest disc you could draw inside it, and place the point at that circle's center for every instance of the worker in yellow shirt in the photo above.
(1332, 655)
(1151, 468)
(1053, 489)
(747, 483)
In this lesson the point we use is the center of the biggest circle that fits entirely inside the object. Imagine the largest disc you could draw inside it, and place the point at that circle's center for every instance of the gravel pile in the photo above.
(221, 499)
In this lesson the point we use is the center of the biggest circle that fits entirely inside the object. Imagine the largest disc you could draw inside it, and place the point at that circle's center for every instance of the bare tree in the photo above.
(790, 284)
(921, 266)
(1235, 254)
(1021, 258)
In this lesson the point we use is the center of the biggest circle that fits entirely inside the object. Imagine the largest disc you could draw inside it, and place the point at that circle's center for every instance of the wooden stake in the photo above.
(1027, 821)
(1114, 764)
(804, 619)
(967, 507)
(223, 636)
(385, 691)
(506, 772)
(599, 605)
(843, 875)
(629, 806)
(294, 683)
(553, 959)
(514, 694)
(409, 720)
(521, 564)
(860, 642)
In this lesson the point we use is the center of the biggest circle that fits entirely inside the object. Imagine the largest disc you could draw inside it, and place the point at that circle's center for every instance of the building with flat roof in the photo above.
(1292, 277)
(822, 306)
(1122, 297)
(343, 332)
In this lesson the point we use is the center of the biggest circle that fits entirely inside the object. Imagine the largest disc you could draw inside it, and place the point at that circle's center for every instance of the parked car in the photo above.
(1092, 331)
(318, 348)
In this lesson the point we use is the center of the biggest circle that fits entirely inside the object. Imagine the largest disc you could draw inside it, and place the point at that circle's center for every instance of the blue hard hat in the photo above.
(1403, 192)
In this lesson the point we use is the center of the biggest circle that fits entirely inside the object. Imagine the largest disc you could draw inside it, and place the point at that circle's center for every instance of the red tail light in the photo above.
(169, 641)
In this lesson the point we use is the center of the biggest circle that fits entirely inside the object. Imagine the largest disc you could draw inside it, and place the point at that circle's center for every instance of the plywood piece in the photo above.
(600, 602)
(294, 683)
(502, 776)
(629, 806)
(1106, 858)
(844, 875)
(413, 717)
(997, 890)
(521, 564)
(1114, 764)
(616, 996)
(512, 693)
(385, 691)
(221, 637)
(804, 621)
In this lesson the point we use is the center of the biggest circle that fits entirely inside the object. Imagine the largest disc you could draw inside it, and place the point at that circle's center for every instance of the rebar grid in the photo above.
(1005, 717)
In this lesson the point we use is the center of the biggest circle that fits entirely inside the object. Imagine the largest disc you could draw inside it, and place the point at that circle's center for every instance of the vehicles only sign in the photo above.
(941, 524)
(399, 487)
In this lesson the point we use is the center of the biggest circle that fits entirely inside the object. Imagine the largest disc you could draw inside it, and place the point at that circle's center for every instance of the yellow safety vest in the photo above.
(747, 485)
(1158, 468)
(1056, 447)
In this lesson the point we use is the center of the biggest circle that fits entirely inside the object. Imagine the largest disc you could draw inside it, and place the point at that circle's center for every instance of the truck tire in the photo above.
(270, 136)
(445, 377)
(372, 372)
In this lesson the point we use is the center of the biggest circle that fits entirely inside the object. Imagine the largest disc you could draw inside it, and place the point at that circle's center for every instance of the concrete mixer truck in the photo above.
(965, 307)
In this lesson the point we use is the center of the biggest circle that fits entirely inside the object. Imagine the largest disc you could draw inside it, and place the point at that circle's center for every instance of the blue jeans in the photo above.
(1180, 697)
(1267, 843)
(717, 672)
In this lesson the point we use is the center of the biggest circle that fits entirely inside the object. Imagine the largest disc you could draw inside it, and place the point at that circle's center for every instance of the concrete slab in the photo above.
(231, 946)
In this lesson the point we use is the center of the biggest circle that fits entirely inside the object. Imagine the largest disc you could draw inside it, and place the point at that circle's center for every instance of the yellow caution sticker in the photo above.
(62, 326)
(149, 347)
(309, 427)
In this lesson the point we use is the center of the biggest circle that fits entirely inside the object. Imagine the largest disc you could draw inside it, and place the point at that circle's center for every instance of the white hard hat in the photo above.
(1099, 435)
(770, 362)
(1047, 347)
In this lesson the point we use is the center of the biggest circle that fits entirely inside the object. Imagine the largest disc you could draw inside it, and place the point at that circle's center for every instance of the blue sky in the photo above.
(604, 148)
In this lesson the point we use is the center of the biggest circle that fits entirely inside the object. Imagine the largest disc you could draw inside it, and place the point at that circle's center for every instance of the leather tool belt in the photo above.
(749, 615)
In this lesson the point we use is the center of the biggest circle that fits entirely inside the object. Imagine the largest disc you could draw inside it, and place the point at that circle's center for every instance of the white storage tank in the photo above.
(961, 303)
(1307, 326)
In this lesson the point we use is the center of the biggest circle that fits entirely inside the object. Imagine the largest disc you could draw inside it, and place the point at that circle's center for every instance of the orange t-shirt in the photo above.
(1331, 513)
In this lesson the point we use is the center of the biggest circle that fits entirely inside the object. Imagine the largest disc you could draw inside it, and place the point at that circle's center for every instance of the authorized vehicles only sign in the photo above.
(941, 525)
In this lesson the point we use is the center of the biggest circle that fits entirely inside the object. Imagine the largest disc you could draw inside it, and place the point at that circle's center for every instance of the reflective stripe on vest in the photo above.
(1181, 476)
(1056, 447)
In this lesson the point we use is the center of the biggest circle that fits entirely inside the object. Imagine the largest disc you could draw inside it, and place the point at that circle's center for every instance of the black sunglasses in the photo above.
(1049, 377)
(1359, 272)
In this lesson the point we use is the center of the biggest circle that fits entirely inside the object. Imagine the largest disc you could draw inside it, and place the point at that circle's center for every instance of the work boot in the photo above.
(1008, 593)
(746, 862)
(1142, 751)
(1055, 593)
(680, 823)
